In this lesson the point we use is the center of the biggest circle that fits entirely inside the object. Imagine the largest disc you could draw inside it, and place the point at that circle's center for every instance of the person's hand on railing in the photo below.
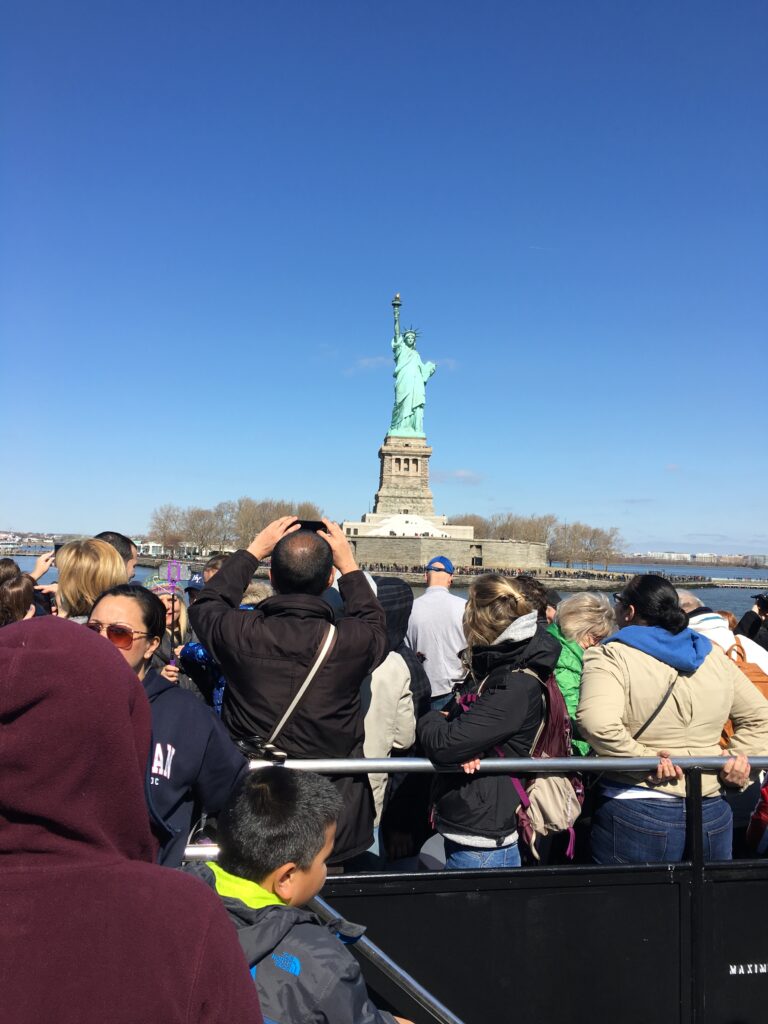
(735, 771)
(471, 766)
(666, 771)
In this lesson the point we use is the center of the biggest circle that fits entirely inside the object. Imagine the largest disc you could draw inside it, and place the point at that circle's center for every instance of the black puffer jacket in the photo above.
(266, 654)
(503, 719)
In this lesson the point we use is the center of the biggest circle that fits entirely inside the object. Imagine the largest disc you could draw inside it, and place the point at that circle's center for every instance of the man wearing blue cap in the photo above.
(436, 632)
(193, 586)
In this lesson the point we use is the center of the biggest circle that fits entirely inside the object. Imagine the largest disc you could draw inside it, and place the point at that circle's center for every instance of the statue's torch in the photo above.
(396, 304)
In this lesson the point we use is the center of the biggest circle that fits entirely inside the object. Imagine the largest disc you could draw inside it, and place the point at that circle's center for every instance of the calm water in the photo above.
(736, 600)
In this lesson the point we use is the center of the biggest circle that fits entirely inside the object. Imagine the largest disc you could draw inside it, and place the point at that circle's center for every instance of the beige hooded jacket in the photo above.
(621, 687)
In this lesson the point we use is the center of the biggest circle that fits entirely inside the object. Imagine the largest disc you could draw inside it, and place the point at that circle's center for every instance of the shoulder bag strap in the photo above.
(661, 704)
(325, 649)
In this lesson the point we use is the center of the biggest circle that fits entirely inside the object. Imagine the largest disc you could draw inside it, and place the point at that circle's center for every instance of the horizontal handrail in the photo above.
(501, 765)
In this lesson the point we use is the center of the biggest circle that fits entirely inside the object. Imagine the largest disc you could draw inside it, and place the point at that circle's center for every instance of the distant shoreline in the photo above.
(570, 582)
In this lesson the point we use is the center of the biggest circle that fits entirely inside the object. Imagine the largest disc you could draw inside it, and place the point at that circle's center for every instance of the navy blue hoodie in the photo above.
(193, 763)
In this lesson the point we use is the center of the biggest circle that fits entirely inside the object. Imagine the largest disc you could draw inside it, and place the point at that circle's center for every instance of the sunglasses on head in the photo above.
(121, 636)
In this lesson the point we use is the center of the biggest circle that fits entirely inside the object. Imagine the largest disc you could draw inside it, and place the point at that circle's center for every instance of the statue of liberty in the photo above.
(411, 376)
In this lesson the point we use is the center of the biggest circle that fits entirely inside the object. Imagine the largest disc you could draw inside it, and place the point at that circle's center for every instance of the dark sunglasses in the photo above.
(121, 636)
(620, 599)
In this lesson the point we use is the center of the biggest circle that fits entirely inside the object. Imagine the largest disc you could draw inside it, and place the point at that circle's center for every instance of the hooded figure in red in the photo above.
(91, 930)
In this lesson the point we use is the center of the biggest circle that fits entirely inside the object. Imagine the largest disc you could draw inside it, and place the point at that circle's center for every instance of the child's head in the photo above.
(277, 829)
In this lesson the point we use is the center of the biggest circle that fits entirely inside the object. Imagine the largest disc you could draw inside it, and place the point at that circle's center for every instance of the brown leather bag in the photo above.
(754, 674)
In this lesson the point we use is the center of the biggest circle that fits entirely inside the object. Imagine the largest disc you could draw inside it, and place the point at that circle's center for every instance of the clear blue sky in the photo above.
(206, 209)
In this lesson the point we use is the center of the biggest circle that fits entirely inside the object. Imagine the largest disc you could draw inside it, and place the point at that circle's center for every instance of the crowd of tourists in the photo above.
(130, 713)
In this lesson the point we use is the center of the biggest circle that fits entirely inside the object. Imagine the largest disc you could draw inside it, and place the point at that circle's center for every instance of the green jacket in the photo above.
(568, 676)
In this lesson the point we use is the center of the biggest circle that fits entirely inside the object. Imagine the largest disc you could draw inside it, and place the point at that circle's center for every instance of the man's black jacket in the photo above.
(266, 654)
(193, 763)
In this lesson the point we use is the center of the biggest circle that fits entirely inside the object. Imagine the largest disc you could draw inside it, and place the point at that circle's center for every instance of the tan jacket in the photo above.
(621, 687)
(390, 721)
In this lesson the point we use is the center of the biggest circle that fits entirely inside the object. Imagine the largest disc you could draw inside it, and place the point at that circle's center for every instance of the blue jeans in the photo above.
(439, 702)
(463, 858)
(653, 831)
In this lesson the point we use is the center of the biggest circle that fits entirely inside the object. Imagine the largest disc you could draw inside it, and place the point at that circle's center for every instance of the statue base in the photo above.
(404, 477)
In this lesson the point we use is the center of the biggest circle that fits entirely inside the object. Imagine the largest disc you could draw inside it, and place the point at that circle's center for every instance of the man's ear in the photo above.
(630, 613)
(331, 578)
(283, 881)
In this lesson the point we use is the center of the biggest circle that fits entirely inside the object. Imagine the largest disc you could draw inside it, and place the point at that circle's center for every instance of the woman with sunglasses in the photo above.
(194, 765)
(658, 689)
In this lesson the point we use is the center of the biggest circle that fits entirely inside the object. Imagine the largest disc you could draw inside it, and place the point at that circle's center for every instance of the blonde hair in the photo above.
(494, 602)
(583, 615)
(86, 569)
(165, 588)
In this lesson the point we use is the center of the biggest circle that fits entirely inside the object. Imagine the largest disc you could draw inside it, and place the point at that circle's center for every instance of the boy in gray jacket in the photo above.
(275, 835)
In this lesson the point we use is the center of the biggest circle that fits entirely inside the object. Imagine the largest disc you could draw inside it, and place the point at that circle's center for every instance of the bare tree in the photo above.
(482, 526)
(308, 510)
(224, 515)
(200, 528)
(167, 526)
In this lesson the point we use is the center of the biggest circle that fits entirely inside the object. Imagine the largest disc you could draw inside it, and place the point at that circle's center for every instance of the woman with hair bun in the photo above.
(661, 681)
(498, 711)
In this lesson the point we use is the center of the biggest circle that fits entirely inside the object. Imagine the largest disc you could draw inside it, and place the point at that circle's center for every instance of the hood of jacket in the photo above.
(261, 931)
(155, 684)
(684, 651)
(74, 743)
(525, 643)
(396, 598)
(713, 627)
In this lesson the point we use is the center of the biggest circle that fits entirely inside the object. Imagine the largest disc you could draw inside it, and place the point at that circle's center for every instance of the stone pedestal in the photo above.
(404, 478)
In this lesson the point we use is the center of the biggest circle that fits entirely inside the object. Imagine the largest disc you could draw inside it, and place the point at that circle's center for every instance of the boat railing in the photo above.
(696, 961)
(693, 768)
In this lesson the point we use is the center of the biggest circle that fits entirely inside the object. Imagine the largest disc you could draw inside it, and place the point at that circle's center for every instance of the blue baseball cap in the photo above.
(438, 564)
(195, 582)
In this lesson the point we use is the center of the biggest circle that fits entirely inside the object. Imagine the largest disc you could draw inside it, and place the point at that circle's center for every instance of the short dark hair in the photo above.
(301, 564)
(215, 562)
(655, 601)
(152, 608)
(534, 591)
(123, 545)
(275, 816)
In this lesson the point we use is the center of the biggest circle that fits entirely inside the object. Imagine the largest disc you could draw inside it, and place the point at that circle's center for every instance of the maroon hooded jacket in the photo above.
(91, 931)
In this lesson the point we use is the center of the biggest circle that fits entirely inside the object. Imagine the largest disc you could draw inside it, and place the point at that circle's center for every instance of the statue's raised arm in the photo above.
(411, 376)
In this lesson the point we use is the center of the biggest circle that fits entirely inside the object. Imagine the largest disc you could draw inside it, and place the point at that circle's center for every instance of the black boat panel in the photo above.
(572, 945)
